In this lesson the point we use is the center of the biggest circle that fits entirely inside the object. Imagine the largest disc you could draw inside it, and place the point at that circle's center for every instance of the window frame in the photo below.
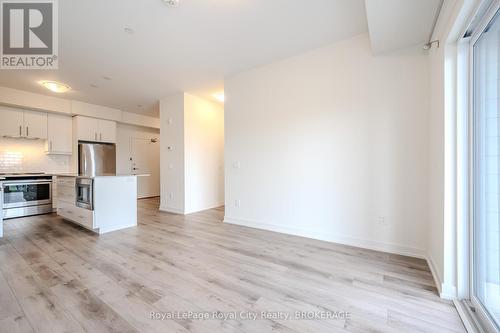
(482, 315)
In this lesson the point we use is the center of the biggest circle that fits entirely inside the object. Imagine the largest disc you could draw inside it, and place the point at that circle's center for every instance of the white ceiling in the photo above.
(188, 48)
(396, 24)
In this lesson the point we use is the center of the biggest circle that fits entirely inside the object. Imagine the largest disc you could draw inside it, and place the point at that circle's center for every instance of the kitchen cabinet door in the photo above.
(59, 132)
(87, 128)
(11, 122)
(107, 131)
(35, 125)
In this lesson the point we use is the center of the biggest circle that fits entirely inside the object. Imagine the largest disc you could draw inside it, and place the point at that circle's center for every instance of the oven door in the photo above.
(84, 193)
(26, 193)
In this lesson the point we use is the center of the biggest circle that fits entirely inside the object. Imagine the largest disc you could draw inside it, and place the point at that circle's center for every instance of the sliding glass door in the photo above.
(486, 174)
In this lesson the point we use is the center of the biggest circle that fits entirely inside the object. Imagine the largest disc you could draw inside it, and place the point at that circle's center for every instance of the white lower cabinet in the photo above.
(115, 203)
(66, 203)
(76, 214)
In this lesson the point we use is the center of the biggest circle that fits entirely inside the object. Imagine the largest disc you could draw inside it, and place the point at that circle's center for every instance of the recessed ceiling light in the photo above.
(171, 3)
(56, 87)
(94, 85)
(104, 77)
(219, 96)
(139, 106)
(129, 30)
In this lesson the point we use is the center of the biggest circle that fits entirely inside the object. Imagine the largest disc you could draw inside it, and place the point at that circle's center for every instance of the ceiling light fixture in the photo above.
(220, 97)
(129, 30)
(56, 87)
(171, 3)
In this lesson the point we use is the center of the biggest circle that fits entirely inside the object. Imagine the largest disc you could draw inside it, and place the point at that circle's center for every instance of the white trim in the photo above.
(333, 238)
(446, 291)
(104, 230)
(212, 206)
(435, 275)
(186, 212)
(468, 319)
(171, 210)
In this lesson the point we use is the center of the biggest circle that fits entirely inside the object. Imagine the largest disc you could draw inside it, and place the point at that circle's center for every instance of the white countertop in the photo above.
(99, 176)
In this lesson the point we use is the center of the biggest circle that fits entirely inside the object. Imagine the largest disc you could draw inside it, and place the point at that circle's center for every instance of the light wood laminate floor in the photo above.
(57, 277)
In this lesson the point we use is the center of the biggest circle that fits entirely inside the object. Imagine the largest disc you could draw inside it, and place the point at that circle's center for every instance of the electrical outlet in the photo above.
(171, 195)
(382, 221)
(236, 165)
(237, 203)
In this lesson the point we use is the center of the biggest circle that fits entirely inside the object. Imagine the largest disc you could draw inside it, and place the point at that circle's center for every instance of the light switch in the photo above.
(237, 165)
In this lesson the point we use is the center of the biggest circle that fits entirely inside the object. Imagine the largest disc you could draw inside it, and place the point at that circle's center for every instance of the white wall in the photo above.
(436, 163)
(192, 135)
(18, 155)
(204, 153)
(172, 154)
(127, 139)
(333, 145)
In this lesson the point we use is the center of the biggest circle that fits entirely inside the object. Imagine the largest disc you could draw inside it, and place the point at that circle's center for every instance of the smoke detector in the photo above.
(171, 3)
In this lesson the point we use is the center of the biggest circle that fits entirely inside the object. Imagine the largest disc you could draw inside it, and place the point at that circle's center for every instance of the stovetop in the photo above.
(20, 173)
(24, 176)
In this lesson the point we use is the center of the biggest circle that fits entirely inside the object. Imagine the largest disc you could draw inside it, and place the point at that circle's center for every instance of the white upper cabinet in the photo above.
(11, 122)
(59, 134)
(107, 131)
(86, 128)
(35, 125)
(95, 130)
(16, 123)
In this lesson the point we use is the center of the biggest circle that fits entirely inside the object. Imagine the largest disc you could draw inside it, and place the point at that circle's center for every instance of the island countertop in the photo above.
(76, 175)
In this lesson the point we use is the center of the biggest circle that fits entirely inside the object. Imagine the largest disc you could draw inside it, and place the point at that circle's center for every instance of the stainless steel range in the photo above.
(26, 194)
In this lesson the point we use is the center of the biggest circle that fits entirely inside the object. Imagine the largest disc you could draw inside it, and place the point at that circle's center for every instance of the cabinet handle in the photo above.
(51, 145)
(95, 136)
(100, 136)
(27, 131)
(20, 130)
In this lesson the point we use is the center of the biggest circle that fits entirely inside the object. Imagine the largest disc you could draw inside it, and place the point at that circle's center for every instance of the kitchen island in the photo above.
(99, 203)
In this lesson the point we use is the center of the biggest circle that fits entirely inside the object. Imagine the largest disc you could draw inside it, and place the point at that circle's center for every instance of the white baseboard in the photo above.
(185, 212)
(212, 206)
(448, 292)
(435, 275)
(445, 291)
(334, 238)
(171, 210)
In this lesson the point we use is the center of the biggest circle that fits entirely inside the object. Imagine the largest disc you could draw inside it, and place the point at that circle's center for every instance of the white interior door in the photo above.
(145, 159)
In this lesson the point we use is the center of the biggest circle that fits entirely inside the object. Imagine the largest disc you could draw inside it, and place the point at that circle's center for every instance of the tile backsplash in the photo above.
(20, 155)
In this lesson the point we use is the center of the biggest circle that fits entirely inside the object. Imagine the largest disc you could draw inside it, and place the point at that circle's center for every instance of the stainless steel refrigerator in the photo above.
(96, 159)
